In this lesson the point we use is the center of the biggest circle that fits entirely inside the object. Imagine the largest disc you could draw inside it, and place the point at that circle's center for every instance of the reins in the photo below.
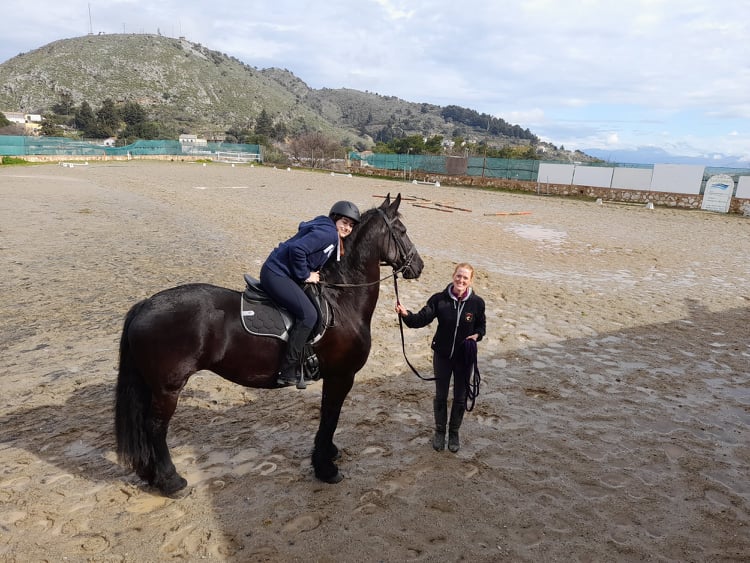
(329, 284)
(401, 329)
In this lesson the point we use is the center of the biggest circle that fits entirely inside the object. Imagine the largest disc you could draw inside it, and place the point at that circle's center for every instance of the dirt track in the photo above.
(612, 422)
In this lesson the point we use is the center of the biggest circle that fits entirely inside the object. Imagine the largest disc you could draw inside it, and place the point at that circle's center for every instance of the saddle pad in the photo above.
(262, 319)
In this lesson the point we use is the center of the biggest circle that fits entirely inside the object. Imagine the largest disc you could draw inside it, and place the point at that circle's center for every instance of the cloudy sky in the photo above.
(604, 74)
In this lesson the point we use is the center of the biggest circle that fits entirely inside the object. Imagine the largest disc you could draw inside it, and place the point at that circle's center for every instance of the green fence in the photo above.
(25, 146)
(506, 168)
(484, 167)
(406, 162)
(59, 146)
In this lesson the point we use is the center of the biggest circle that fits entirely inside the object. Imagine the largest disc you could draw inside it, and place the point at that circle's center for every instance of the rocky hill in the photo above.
(197, 90)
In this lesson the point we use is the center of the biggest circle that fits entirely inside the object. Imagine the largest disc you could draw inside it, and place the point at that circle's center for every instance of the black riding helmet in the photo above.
(344, 209)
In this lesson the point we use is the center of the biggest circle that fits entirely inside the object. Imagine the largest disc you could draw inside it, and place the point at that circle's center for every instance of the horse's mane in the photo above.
(354, 246)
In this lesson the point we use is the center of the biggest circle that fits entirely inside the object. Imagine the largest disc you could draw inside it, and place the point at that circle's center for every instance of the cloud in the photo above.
(623, 73)
(392, 12)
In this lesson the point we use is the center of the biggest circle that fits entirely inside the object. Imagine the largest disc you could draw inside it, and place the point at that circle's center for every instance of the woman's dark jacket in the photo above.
(457, 319)
(307, 251)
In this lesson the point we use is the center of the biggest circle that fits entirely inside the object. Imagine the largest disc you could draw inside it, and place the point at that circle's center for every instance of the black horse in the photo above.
(179, 331)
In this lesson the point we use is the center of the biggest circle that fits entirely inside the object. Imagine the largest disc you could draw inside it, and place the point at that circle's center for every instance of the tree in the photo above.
(143, 130)
(434, 144)
(107, 120)
(264, 124)
(65, 106)
(279, 131)
(51, 126)
(84, 118)
(529, 153)
(505, 152)
(132, 113)
(4, 121)
(238, 134)
(413, 144)
(313, 149)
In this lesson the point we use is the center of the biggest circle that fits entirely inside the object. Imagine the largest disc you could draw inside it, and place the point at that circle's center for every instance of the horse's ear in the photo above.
(386, 201)
(393, 208)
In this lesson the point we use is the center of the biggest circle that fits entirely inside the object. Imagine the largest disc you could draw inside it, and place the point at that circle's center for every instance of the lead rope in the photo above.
(401, 328)
(473, 379)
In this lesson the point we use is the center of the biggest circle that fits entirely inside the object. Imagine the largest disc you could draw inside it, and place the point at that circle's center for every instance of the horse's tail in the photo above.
(132, 403)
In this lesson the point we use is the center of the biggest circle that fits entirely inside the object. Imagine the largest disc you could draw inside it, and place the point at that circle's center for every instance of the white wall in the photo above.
(595, 176)
(672, 178)
(677, 178)
(632, 178)
(553, 173)
(743, 187)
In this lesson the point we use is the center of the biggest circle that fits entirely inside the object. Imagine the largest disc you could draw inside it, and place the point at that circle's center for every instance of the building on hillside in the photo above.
(22, 118)
(192, 140)
(194, 145)
(32, 122)
(15, 117)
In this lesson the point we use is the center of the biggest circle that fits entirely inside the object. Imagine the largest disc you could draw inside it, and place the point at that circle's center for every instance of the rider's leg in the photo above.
(289, 294)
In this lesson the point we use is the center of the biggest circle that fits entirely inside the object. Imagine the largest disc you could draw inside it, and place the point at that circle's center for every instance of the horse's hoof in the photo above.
(335, 479)
(172, 487)
(180, 493)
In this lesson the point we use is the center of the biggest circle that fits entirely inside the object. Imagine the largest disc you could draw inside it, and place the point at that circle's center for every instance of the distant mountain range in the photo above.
(189, 88)
(655, 155)
(192, 89)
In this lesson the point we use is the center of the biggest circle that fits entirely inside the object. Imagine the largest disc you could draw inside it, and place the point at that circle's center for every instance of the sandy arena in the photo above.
(612, 423)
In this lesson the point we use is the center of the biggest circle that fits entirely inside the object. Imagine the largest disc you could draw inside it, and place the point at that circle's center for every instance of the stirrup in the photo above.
(311, 366)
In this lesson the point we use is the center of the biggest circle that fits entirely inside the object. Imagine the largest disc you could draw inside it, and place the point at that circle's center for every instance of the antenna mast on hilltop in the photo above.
(91, 28)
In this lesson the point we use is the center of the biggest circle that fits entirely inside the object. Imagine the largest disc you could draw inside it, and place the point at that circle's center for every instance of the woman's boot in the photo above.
(440, 409)
(291, 366)
(457, 417)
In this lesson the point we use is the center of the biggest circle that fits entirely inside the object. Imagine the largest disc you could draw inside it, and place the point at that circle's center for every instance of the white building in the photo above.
(22, 118)
(192, 140)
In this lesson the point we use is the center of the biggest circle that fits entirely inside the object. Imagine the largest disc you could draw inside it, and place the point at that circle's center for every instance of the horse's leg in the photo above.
(334, 392)
(161, 472)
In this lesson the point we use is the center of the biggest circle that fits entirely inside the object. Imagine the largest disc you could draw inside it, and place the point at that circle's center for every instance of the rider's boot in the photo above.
(291, 366)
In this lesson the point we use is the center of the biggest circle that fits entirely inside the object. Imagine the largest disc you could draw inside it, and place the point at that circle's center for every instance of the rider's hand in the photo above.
(314, 277)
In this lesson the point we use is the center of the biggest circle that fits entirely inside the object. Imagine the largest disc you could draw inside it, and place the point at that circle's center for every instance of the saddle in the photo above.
(261, 316)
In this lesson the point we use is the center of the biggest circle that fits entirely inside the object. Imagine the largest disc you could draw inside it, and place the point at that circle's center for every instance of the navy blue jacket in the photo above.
(456, 320)
(307, 251)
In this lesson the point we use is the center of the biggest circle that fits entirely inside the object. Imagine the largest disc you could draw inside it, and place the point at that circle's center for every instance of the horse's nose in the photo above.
(415, 267)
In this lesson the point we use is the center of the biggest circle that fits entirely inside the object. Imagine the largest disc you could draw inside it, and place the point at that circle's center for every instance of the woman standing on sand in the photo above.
(460, 315)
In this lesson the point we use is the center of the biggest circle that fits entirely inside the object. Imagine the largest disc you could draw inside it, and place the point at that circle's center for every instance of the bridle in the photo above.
(408, 254)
